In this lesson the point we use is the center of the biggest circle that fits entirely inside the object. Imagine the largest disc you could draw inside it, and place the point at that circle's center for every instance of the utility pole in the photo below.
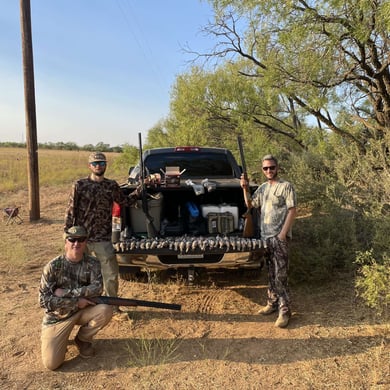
(30, 113)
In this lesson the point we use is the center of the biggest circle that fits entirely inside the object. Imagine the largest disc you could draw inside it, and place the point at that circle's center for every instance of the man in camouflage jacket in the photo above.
(66, 283)
(90, 206)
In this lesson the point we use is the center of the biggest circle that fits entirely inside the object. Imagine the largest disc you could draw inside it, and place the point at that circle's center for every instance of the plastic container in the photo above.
(221, 208)
(225, 222)
(231, 209)
(212, 223)
(222, 223)
(209, 208)
(138, 218)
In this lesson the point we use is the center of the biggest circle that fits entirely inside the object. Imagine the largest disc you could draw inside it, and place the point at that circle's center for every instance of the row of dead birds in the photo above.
(186, 244)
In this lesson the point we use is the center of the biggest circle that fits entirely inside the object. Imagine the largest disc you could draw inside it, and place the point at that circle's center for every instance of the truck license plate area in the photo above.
(199, 256)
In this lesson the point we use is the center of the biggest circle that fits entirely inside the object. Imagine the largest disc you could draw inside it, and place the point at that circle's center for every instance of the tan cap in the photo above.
(75, 231)
(96, 156)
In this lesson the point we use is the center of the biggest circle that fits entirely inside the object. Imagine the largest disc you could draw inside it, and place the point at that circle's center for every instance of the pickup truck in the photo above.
(195, 205)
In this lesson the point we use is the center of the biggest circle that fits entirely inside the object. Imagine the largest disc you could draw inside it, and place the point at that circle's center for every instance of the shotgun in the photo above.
(248, 230)
(116, 301)
(151, 230)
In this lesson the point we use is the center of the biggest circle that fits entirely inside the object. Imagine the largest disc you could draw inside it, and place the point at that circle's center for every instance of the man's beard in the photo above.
(273, 177)
(101, 173)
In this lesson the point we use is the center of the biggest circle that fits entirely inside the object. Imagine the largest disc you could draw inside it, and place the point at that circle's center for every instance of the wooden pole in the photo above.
(29, 102)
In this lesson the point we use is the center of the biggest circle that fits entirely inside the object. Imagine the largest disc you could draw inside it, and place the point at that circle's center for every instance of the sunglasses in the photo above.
(78, 239)
(271, 168)
(100, 163)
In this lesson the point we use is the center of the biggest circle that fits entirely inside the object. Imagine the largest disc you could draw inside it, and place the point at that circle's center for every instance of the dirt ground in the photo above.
(217, 341)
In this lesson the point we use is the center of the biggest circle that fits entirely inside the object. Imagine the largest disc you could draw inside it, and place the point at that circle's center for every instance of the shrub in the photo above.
(373, 281)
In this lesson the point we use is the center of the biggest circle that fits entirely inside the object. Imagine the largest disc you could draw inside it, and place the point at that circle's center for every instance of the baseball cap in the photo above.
(96, 156)
(75, 232)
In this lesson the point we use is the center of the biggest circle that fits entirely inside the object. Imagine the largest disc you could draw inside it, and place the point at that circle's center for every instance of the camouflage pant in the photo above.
(276, 256)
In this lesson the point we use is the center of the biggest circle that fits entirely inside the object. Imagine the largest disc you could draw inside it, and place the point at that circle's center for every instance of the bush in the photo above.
(322, 244)
(373, 281)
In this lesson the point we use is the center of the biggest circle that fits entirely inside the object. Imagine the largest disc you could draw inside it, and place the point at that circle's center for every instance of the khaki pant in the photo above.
(104, 251)
(54, 338)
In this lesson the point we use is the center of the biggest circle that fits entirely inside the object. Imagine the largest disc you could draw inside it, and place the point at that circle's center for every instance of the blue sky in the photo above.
(104, 69)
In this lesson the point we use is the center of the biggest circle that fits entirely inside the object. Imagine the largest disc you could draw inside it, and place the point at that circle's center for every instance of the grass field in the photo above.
(55, 167)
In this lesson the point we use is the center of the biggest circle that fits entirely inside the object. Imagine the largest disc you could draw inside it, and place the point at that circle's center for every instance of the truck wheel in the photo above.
(129, 273)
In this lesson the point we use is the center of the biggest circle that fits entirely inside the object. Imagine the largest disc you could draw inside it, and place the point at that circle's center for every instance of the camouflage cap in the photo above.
(96, 156)
(75, 231)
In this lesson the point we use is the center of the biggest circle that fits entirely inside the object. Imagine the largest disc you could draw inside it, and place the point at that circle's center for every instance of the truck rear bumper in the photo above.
(210, 252)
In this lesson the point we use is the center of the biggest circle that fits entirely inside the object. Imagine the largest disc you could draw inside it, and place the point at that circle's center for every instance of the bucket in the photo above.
(138, 218)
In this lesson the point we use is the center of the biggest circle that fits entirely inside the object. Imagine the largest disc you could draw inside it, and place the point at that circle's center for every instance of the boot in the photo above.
(85, 348)
(283, 319)
(269, 309)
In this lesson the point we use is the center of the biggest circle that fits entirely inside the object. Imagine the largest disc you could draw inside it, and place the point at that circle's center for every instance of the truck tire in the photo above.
(129, 273)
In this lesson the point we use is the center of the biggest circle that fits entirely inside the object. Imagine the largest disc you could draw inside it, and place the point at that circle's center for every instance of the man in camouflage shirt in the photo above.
(66, 283)
(90, 206)
(276, 201)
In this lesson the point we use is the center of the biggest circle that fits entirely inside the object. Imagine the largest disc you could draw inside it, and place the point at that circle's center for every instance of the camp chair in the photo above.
(11, 215)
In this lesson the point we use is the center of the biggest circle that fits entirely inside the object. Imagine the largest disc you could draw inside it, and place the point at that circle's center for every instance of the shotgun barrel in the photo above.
(248, 230)
(116, 301)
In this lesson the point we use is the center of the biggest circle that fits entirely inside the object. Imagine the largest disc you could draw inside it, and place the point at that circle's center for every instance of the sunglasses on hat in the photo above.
(78, 239)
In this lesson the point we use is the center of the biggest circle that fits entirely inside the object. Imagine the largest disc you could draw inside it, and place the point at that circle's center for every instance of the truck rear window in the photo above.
(198, 164)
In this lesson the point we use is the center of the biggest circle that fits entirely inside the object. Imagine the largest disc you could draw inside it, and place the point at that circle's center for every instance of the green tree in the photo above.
(128, 158)
(325, 58)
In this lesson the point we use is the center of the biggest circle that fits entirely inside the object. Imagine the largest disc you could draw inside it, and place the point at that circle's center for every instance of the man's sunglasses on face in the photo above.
(271, 168)
(78, 239)
(98, 163)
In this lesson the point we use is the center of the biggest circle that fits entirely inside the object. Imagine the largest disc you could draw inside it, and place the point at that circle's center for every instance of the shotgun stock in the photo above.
(249, 229)
(116, 301)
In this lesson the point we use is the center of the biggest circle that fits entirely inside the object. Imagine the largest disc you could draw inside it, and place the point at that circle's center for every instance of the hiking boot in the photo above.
(119, 315)
(269, 309)
(85, 348)
(283, 319)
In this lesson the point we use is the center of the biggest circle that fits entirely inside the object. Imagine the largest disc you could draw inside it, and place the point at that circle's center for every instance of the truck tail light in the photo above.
(187, 149)
(116, 210)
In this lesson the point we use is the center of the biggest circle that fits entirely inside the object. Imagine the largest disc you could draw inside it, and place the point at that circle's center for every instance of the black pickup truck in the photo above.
(195, 204)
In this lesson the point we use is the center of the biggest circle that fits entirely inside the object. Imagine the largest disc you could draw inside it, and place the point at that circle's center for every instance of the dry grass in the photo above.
(56, 167)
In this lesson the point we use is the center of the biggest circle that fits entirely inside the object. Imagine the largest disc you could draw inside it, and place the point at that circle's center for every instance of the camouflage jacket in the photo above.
(90, 205)
(82, 279)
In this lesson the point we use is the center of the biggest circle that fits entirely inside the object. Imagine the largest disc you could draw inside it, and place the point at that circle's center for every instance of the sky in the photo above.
(103, 69)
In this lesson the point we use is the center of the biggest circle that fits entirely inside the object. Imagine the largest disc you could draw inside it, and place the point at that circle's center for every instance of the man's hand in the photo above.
(244, 182)
(59, 292)
(81, 303)
(84, 302)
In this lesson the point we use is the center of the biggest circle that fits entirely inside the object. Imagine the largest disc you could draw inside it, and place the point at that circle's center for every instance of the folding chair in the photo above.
(11, 215)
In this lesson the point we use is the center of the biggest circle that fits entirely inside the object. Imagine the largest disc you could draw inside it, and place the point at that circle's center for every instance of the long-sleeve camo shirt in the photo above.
(82, 279)
(90, 206)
